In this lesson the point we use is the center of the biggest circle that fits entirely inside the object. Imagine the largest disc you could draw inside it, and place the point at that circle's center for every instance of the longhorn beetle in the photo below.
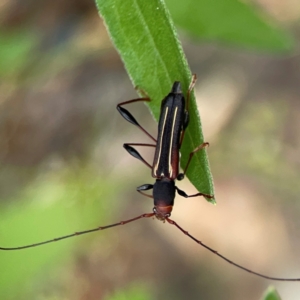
(173, 120)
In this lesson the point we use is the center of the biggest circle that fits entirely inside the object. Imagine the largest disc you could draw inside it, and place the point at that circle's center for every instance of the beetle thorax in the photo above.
(164, 195)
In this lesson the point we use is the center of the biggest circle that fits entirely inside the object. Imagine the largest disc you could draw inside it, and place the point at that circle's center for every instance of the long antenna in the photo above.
(226, 259)
(149, 215)
(79, 233)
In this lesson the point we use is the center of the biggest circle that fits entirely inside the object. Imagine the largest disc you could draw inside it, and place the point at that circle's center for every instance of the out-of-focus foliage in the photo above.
(133, 292)
(60, 203)
(271, 294)
(231, 22)
(16, 48)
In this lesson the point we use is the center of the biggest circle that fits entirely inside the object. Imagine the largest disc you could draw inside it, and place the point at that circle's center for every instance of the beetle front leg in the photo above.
(145, 187)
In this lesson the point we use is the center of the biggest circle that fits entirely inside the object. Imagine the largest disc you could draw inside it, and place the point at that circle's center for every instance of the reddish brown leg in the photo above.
(204, 145)
(145, 187)
(130, 118)
(191, 87)
(132, 151)
(185, 195)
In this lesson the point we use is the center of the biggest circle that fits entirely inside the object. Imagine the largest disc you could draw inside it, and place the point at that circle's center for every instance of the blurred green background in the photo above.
(63, 168)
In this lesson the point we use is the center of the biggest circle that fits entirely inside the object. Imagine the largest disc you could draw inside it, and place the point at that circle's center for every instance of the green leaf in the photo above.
(147, 42)
(271, 294)
(229, 21)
